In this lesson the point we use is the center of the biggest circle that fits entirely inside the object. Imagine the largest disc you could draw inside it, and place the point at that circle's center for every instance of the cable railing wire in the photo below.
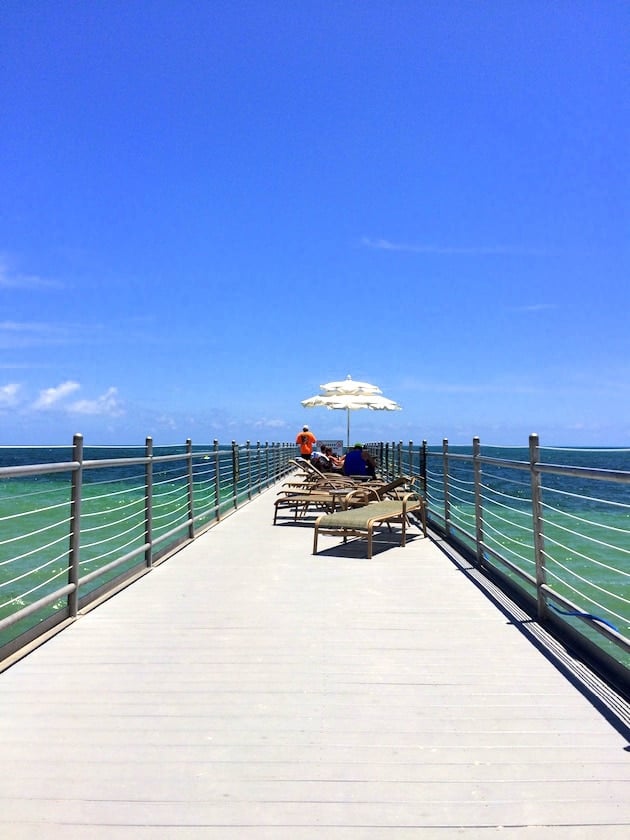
(608, 546)
(573, 551)
(37, 550)
(31, 573)
(584, 595)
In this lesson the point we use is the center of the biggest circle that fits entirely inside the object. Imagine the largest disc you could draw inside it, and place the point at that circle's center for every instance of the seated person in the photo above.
(354, 463)
(321, 461)
(337, 463)
(370, 463)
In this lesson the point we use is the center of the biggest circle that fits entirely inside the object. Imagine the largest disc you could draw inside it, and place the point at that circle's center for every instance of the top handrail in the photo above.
(621, 476)
(38, 469)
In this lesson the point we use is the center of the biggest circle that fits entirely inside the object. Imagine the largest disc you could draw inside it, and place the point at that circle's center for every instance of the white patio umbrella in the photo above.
(350, 386)
(350, 395)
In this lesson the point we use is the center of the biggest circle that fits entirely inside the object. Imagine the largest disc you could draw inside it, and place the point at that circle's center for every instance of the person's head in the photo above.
(358, 446)
(305, 428)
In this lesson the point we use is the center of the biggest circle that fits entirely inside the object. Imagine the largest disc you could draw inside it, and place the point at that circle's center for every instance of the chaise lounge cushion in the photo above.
(360, 521)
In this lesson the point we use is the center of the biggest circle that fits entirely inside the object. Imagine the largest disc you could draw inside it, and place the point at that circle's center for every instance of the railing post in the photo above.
(423, 469)
(217, 481)
(478, 500)
(267, 467)
(276, 465)
(191, 490)
(235, 474)
(148, 503)
(75, 526)
(410, 458)
(447, 501)
(258, 467)
(537, 524)
(249, 469)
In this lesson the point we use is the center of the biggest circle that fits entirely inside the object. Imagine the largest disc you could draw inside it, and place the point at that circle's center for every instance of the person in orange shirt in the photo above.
(305, 441)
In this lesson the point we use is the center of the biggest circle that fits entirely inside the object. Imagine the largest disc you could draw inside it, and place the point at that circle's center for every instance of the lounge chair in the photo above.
(301, 498)
(312, 479)
(331, 479)
(299, 503)
(331, 491)
(360, 521)
(392, 489)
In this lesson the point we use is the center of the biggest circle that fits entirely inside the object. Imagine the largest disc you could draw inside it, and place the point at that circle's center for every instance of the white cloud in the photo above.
(107, 404)
(534, 307)
(448, 250)
(9, 395)
(49, 397)
(13, 280)
(15, 335)
(474, 388)
(166, 421)
(270, 424)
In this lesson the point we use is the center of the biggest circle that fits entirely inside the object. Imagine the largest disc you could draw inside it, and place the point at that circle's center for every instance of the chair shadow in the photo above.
(303, 522)
(356, 547)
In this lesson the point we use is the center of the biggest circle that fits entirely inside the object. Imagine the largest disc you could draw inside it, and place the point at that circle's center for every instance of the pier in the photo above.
(248, 689)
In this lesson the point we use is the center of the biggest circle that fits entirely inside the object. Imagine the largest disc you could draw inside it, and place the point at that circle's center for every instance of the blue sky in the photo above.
(209, 209)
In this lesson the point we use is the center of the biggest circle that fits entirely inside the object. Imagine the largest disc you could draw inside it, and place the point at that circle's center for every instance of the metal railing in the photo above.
(555, 535)
(77, 529)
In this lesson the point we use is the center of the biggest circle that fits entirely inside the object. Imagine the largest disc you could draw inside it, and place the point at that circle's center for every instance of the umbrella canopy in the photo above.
(350, 395)
(350, 386)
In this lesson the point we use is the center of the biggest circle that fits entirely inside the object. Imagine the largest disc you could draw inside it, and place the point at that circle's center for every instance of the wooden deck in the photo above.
(248, 689)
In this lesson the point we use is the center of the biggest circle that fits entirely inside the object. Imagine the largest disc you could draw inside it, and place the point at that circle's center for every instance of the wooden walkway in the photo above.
(247, 689)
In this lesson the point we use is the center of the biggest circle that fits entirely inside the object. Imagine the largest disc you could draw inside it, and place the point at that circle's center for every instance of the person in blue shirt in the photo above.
(359, 462)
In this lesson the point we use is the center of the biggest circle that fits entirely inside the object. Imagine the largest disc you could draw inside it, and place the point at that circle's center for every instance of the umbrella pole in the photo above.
(348, 430)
